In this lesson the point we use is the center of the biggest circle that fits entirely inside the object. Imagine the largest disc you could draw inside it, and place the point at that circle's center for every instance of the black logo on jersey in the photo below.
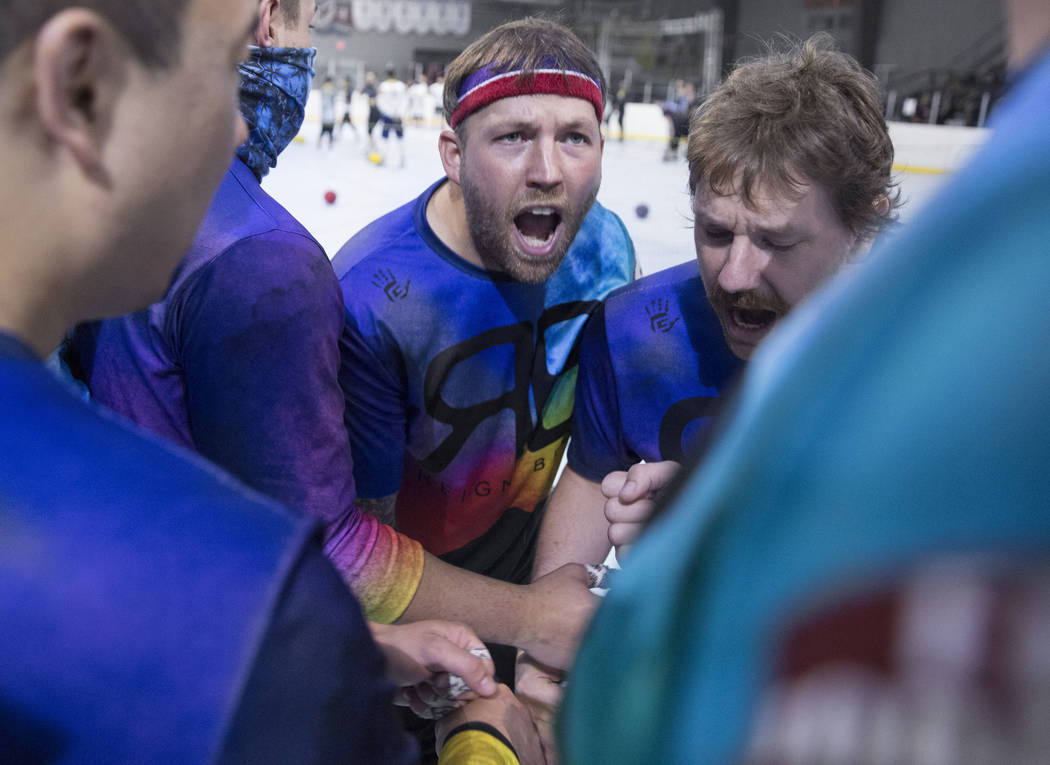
(680, 416)
(659, 318)
(530, 374)
(384, 279)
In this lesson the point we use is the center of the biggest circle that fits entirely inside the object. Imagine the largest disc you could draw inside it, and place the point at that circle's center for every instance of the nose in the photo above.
(742, 269)
(544, 164)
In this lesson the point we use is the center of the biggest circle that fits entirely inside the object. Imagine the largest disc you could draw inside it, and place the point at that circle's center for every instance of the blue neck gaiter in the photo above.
(275, 83)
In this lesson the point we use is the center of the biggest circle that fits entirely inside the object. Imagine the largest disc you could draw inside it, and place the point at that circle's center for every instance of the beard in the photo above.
(492, 231)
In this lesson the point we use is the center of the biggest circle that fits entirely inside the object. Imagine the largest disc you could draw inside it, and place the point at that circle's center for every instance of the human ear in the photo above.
(450, 149)
(265, 32)
(79, 71)
(882, 205)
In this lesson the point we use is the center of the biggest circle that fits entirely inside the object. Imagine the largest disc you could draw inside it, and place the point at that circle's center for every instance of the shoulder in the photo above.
(372, 245)
(666, 280)
(671, 286)
(242, 214)
(600, 259)
(603, 229)
(181, 551)
(130, 470)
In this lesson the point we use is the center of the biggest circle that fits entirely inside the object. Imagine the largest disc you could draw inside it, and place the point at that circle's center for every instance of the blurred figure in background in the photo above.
(392, 104)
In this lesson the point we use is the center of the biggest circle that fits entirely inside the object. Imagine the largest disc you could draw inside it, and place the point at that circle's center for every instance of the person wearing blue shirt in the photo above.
(151, 607)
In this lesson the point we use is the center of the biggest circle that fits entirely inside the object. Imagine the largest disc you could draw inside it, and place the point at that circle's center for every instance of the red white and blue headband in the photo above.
(488, 84)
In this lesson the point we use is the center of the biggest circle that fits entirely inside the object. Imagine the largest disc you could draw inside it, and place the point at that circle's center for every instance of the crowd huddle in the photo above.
(264, 503)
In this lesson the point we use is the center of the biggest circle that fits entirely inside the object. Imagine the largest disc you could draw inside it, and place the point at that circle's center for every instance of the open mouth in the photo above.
(538, 228)
(752, 319)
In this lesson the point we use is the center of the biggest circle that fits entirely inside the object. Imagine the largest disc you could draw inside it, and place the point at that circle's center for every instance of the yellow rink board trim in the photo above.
(919, 170)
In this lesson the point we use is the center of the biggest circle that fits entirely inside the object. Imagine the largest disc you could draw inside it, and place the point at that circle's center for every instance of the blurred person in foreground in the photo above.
(888, 447)
(152, 608)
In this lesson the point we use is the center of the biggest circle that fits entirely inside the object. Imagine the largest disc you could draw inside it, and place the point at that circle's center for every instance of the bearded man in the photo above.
(464, 306)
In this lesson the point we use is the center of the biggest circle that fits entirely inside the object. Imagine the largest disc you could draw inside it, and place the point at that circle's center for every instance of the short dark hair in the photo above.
(153, 28)
(527, 44)
(808, 114)
(290, 9)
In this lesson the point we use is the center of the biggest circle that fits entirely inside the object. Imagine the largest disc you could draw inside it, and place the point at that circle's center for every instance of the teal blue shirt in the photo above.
(902, 413)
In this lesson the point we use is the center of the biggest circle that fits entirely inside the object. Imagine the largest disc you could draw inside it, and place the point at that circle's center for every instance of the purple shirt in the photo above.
(240, 363)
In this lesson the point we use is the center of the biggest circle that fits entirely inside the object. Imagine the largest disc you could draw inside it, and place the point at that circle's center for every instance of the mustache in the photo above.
(748, 300)
(545, 200)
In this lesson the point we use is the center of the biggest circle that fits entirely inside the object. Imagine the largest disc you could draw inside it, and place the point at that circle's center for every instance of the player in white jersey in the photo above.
(392, 102)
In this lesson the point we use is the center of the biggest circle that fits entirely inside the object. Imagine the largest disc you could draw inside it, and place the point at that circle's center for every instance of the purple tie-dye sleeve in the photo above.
(261, 360)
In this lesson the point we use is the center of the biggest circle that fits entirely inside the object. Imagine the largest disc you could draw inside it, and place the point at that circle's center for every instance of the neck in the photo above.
(447, 215)
(27, 313)
(34, 301)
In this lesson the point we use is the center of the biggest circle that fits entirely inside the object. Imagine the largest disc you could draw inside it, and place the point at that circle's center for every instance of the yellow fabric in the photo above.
(386, 574)
(476, 748)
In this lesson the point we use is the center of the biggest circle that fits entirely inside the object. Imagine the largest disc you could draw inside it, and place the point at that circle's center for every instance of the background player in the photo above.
(392, 104)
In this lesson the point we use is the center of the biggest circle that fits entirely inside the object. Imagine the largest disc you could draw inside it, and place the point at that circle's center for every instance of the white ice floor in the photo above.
(633, 174)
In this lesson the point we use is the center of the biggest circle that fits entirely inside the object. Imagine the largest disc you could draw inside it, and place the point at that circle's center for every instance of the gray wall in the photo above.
(892, 37)
(903, 34)
(919, 34)
(374, 50)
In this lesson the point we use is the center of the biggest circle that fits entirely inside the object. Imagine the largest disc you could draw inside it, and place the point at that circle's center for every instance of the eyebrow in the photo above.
(578, 124)
(789, 230)
(518, 124)
(704, 219)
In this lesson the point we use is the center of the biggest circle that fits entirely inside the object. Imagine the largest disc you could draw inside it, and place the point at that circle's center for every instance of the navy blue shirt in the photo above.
(152, 609)
(653, 366)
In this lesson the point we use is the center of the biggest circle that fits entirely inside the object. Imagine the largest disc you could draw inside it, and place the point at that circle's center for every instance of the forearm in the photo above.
(574, 527)
(546, 618)
(496, 610)
(381, 567)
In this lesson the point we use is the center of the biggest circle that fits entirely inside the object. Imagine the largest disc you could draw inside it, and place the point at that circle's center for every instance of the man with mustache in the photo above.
(463, 309)
(789, 170)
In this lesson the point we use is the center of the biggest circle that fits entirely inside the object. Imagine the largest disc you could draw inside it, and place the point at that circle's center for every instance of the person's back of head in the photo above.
(807, 114)
(87, 91)
(151, 28)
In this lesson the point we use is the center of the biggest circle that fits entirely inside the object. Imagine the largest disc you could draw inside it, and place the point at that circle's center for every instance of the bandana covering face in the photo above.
(488, 84)
(275, 83)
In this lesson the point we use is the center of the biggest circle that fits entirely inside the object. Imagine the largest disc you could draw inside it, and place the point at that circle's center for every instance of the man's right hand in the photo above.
(630, 499)
(560, 606)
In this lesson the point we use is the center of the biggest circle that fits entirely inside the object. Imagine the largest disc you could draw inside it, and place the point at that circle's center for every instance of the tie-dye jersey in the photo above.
(459, 381)
(653, 364)
(239, 362)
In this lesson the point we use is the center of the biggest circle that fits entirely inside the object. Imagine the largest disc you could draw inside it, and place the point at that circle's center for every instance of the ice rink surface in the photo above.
(633, 173)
